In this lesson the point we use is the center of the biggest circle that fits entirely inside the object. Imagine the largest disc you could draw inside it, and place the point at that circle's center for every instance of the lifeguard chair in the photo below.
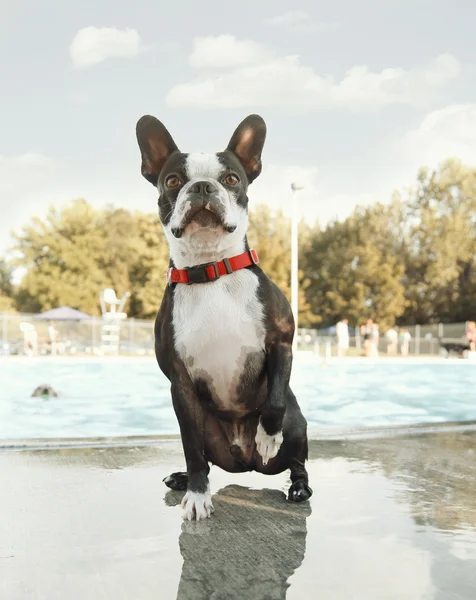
(112, 310)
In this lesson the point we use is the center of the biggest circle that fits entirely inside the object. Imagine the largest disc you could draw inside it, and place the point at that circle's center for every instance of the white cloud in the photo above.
(299, 21)
(226, 51)
(286, 83)
(93, 45)
(444, 133)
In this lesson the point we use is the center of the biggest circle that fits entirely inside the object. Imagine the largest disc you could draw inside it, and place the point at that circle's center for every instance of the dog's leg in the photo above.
(269, 435)
(295, 450)
(197, 502)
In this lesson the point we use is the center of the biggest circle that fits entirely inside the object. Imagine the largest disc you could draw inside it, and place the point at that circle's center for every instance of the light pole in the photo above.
(295, 187)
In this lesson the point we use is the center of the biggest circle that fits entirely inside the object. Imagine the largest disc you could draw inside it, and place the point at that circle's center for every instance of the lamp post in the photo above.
(295, 187)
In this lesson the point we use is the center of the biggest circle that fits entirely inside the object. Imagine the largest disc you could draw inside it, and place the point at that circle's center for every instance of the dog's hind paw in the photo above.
(177, 481)
(267, 445)
(197, 506)
(299, 492)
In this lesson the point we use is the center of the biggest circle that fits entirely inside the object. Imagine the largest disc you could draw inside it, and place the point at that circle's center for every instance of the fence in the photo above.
(136, 337)
(425, 339)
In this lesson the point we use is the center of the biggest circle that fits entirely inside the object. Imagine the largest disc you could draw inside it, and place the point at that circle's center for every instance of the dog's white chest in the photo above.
(219, 332)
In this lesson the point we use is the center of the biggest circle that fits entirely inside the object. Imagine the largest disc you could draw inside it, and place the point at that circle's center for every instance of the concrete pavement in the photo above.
(393, 517)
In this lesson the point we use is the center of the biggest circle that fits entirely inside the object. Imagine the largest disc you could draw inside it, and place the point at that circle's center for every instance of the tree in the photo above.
(63, 257)
(6, 287)
(77, 251)
(440, 276)
(270, 235)
(410, 261)
(307, 317)
(355, 270)
(148, 274)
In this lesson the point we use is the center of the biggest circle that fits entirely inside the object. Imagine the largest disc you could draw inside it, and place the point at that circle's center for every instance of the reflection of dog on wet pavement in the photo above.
(224, 332)
(249, 550)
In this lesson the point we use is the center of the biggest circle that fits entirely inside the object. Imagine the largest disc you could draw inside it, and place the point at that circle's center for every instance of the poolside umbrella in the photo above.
(64, 313)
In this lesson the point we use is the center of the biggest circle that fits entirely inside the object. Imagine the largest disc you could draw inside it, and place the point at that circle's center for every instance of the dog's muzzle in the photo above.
(205, 208)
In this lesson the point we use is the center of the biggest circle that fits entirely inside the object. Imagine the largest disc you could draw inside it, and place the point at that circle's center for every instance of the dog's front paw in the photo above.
(267, 445)
(197, 506)
(299, 492)
(176, 481)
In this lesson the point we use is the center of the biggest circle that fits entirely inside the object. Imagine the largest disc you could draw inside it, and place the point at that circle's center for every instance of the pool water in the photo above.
(125, 397)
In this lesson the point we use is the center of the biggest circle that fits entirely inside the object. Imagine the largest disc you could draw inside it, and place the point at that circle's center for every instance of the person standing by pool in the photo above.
(30, 338)
(375, 339)
(53, 335)
(342, 332)
(392, 341)
(368, 332)
(404, 338)
(471, 336)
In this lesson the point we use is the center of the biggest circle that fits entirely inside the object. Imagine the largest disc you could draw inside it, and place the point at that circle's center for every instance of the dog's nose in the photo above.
(204, 188)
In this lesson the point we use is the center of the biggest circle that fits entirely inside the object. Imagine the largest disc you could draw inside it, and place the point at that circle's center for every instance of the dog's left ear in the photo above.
(156, 145)
(247, 144)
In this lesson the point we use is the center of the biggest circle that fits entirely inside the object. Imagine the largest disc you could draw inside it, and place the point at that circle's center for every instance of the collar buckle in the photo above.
(199, 274)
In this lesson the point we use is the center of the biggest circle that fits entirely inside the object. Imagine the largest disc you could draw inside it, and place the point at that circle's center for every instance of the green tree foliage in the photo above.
(413, 261)
(354, 270)
(63, 258)
(6, 287)
(270, 235)
(149, 269)
(440, 265)
(410, 261)
(77, 251)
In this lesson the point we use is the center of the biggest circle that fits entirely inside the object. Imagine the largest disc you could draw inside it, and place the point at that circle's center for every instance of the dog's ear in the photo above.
(156, 145)
(247, 144)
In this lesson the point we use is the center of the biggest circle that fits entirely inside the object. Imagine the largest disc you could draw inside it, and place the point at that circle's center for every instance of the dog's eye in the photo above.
(172, 181)
(231, 179)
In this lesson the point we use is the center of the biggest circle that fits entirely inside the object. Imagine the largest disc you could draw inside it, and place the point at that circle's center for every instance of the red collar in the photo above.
(213, 270)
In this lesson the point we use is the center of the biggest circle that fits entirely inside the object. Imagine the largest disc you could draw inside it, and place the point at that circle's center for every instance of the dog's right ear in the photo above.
(156, 145)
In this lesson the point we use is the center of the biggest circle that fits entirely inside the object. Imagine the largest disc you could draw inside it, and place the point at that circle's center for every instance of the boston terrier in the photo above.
(224, 331)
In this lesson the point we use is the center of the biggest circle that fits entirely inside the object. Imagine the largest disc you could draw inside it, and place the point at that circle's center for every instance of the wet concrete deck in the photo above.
(392, 517)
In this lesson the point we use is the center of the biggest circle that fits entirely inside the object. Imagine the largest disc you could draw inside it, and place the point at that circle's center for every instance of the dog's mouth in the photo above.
(202, 218)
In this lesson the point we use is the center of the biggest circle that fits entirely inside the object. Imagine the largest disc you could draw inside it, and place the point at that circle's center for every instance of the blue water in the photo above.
(131, 397)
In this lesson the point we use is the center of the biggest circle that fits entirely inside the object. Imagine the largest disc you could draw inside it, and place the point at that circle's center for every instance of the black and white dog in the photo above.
(223, 335)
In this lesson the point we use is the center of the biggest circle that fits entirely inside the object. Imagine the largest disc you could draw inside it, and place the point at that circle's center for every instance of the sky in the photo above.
(357, 94)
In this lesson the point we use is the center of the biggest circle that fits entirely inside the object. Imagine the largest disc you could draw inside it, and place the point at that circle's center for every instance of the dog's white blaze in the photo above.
(197, 506)
(217, 325)
(203, 166)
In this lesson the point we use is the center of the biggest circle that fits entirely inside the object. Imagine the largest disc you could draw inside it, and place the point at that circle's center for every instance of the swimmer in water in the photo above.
(45, 391)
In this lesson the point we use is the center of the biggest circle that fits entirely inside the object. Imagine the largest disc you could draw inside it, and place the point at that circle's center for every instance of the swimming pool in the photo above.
(123, 397)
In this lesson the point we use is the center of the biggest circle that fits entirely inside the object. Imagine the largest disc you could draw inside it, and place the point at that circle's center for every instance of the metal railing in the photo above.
(136, 337)
(424, 340)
